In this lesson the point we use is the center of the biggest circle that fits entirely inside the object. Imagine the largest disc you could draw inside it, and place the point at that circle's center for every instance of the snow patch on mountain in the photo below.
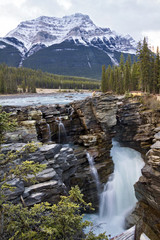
(19, 46)
(2, 46)
(46, 31)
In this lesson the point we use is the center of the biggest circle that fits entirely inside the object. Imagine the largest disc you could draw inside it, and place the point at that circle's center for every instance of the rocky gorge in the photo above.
(68, 132)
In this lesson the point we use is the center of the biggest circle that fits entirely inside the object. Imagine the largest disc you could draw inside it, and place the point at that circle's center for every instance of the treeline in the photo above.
(12, 79)
(141, 75)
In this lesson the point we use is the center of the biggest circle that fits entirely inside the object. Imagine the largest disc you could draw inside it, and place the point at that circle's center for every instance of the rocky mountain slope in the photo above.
(72, 45)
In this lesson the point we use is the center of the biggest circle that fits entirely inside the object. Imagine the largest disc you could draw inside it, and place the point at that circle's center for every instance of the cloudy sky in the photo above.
(135, 17)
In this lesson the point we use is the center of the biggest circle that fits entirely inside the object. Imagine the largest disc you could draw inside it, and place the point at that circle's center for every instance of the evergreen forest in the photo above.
(141, 75)
(12, 79)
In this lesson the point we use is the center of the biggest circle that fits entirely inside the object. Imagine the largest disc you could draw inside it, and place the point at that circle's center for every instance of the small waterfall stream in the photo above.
(94, 171)
(62, 136)
(49, 132)
(118, 198)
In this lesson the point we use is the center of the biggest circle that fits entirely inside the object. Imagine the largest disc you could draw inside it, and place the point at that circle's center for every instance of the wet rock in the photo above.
(34, 198)
(39, 187)
(157, 136)
(97, 113)
(157, 129)
(30, 127)
(11, 147)
(156, 145)
(26, 132)
(46, 175)
(105, 110)
(42, 130)
(147, 191)
(35, 115)
(51, 150)
(89, 140)
(18, 189)
(66, 164)
(41, 191)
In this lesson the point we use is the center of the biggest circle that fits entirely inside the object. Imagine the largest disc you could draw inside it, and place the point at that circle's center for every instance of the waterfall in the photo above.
(49, 132)
(94, 171)
(70, 111)
(62, 136)
(118, 198)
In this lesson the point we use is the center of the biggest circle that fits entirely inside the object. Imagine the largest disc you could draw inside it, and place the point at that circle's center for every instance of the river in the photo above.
(42, 99)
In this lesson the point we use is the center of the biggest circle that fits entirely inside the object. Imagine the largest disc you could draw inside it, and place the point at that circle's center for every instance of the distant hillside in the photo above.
(9, 54)
(12, 78)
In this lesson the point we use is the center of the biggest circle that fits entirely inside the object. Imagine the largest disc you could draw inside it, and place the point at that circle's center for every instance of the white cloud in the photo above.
(134, 17)
(18, 3)
(65, 3)
(153, 38)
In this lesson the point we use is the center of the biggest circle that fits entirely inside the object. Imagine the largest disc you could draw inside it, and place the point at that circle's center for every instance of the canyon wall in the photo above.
(67, 133)
(90, 126)
(138, 126)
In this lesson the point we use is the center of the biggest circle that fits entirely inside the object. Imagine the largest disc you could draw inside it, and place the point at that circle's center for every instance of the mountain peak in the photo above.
(46, 31)
(78, 15)
(64, 44)
(49, 30)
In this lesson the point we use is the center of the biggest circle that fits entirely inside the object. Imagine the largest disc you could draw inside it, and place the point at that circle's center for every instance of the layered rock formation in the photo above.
(60, 166)
(136, 124)
(97, 116)
(148, 194)
(138, 127)
(89, 127)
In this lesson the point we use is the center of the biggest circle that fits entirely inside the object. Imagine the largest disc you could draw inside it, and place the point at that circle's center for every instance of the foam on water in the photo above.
(118, 197)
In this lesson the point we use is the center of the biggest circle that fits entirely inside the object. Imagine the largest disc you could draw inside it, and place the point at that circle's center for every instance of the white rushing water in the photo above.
(49, 133)
(62, 135)
(118, 198)
(94, 171)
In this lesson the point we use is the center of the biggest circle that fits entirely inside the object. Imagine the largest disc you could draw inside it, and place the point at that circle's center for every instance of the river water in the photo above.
(118, 198)
(42, 99)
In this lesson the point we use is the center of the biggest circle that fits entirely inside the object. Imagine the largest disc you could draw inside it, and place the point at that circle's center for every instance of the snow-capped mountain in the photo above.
(35, 35)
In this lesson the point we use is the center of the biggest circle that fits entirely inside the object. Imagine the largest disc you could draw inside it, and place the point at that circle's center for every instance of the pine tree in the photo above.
(145, 66)
(143, 75)
(23, 86)
(121, 66)
(103, 80)
(135, 77)
(61, 221)
(157, 72)
(127, 74)
(117, 80)
(129, 60)
(107, 77)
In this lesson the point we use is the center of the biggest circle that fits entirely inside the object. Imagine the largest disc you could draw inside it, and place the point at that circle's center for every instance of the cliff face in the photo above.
(86, 126)
(147, 191)
(136, 124)
(138, 127)
(97, 117)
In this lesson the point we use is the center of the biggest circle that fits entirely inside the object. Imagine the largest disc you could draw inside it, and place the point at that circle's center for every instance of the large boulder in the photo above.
(16, 189)
(25, 132)
(43, 192)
